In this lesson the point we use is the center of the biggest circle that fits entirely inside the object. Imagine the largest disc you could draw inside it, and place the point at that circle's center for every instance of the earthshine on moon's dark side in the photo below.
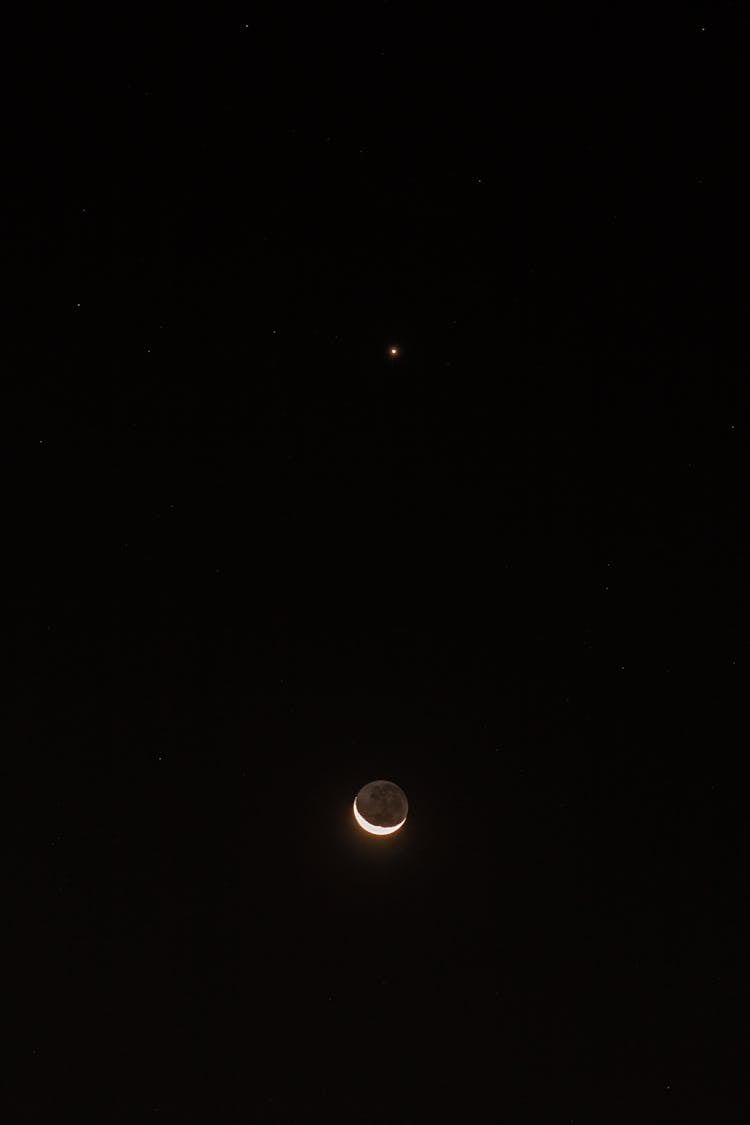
(381, 807)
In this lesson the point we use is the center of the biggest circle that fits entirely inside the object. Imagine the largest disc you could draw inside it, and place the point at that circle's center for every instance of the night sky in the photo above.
(256, 561)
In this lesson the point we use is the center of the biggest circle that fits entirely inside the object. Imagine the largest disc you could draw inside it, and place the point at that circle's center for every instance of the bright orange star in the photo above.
(393, 352)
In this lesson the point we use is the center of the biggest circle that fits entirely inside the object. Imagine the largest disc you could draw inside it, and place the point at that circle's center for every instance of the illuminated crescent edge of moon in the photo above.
(375, 829)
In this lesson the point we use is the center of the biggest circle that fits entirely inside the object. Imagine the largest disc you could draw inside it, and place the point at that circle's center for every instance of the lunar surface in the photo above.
(380, 807)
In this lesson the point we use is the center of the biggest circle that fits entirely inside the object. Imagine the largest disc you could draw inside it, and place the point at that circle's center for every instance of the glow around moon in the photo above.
(380, 808)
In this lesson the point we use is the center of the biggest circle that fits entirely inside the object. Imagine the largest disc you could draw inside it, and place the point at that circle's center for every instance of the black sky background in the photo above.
(254, 562)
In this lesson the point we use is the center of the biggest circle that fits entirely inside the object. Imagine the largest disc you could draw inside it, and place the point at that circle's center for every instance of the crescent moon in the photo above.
(383, 800)
(374, 828)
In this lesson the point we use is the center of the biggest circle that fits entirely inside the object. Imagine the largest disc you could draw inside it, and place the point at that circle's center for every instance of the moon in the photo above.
(380, 807)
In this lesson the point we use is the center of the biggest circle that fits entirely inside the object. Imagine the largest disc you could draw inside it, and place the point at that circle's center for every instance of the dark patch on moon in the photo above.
(382, 803)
